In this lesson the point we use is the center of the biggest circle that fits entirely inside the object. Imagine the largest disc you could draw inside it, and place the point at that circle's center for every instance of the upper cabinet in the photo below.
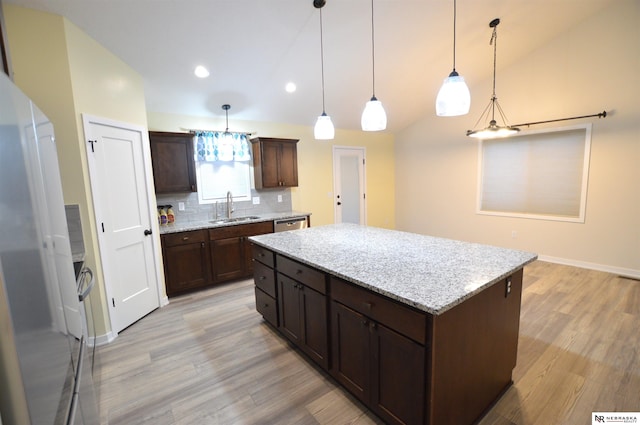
(275, 162)
(173, 162)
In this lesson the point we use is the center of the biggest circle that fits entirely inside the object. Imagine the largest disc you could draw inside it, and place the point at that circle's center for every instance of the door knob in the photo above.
(147, 232)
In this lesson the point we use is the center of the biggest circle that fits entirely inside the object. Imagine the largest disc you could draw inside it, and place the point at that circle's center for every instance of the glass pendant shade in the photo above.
(454, 97)
(374, 118)
(323, 129)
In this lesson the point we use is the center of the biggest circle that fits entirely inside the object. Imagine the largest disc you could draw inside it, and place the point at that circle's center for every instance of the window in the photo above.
(216, 178)
(539, 174)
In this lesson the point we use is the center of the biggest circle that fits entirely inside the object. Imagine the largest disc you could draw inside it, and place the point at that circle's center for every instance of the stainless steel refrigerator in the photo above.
(44, 378)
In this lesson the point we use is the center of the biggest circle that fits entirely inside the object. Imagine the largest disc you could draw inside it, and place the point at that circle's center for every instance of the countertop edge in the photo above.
(206, 224)
(395, 296)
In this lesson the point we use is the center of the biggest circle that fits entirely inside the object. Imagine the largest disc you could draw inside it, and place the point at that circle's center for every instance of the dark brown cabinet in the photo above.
(303, 308)
(172, 160)
(186, 261)
(201, 258)
(265, 281)
(407, 366)
(380, 366)
(231, 250)
(275, 162)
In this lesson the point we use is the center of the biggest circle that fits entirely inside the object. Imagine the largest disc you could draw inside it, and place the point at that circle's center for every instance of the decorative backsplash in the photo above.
(195, 211)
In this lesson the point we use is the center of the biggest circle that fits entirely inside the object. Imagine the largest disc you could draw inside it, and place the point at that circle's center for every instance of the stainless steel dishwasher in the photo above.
(285, 224)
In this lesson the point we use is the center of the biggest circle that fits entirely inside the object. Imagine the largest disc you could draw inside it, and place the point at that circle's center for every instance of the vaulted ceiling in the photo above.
(254, 47)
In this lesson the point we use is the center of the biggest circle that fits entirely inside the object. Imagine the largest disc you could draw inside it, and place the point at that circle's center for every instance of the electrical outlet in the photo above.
(514, 234)
(279, 198)
(180, 206)
(256, 200)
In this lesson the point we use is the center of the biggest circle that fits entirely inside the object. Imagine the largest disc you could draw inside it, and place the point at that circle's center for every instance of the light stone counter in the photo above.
(432, 274)
(209, 224)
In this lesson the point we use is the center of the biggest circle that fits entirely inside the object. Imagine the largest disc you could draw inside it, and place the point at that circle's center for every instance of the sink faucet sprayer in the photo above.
(229, 204)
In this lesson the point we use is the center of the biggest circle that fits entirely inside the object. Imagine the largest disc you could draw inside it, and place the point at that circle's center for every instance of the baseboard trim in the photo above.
(101, 339)
(620, 271)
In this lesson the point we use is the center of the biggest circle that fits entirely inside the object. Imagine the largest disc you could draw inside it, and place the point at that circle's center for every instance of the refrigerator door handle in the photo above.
(83, 276)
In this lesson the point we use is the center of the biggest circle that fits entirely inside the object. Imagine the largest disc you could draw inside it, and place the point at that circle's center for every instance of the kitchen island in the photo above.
(420, 329)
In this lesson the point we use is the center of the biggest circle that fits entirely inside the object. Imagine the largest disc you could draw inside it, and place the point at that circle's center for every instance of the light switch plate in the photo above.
(279, 198)
(180, 206)
(256, 200)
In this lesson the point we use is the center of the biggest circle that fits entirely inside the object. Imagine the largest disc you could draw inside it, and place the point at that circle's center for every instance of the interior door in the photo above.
(349, 185)
(123, 212)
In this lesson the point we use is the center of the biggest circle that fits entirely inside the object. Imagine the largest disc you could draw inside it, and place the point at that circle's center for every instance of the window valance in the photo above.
(222, 146)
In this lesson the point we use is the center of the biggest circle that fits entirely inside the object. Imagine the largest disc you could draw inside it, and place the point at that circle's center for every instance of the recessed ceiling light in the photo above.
(201, 72)
(290, 87)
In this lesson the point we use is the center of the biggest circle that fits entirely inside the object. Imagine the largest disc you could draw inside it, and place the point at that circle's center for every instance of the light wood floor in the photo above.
(208, 358)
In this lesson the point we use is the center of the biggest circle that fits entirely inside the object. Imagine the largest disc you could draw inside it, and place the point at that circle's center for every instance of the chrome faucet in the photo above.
(229, 204)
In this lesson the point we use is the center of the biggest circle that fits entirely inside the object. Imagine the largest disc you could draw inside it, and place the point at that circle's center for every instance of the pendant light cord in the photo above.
(373, 55)
(494, 42)
(454, 35)
(322, 62)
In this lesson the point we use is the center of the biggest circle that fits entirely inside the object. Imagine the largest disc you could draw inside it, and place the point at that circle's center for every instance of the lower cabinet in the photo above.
(186, 261)
(303, 317)
(200, 258)
(381, 367)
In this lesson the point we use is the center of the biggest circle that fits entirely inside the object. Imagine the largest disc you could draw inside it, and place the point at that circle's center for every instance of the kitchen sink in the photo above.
(235, 219)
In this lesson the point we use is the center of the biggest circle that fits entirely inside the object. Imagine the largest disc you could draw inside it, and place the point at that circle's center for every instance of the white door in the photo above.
(121, 189)
(349, 185)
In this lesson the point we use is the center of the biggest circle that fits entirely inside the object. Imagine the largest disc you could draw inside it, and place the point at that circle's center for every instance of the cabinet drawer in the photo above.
(184, 238)
(311, 277)
(267, 306)
(264, 278)
(402, 319)
(239, 230)
(263, 255)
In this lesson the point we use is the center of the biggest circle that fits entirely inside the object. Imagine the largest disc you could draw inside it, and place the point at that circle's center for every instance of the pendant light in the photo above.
(374, 118)
(453, 98)
(493, 131)
(323, 129)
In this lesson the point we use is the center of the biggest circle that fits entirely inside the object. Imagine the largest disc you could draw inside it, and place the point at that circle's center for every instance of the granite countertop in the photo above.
(208, 224)
(431, 274)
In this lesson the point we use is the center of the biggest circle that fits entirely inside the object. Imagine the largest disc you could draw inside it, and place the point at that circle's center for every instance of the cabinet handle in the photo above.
(365, 323)
(367, 305)
(185, 238)
(373, 325)
(201, 244)
(261, 255)
(298, 271)
(262, 278)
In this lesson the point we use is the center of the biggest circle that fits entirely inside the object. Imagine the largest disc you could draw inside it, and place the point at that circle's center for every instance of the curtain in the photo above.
(222, 146)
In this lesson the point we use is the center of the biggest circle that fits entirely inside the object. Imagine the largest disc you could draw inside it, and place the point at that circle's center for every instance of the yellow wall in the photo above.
(66, 73)
(590, 68)
(315, 163)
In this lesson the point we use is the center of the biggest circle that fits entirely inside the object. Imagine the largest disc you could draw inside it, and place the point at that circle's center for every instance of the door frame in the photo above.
(103, 253)
(336, 149)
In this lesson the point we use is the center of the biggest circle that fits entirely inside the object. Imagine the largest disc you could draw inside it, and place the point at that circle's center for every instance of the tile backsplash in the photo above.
(195, 211)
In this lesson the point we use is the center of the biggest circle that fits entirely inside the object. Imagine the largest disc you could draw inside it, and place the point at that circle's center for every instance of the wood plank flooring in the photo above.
(208, 358)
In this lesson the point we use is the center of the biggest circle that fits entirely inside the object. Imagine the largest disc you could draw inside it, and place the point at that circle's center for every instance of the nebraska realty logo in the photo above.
(615, 418)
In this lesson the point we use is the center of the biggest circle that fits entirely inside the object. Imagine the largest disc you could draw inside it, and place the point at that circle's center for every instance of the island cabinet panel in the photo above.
(265, 284)
(382, 367)
(303, 315)
(186, 261)
(475, 349)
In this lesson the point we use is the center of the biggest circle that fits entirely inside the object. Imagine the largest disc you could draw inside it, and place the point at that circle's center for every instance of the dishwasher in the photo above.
(285, 224)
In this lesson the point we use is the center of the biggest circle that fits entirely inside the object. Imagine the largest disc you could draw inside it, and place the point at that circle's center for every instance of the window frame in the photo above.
(580, 217)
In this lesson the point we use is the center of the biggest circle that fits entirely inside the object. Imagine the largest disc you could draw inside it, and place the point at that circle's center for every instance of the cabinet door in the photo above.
(172, 162)
(186, 267)
(289, 308)
(288, 165)
(313, 306)
(270, 154)
(351, 351)
(398, 367)
(227, 259)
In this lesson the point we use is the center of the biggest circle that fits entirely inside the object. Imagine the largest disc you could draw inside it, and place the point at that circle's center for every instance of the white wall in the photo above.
(592, 67)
